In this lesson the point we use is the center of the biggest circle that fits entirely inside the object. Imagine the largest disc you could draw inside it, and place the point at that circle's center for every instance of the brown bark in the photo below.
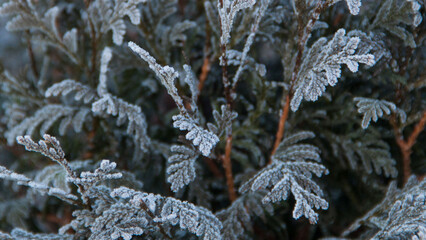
(228, 169)
(406, 145)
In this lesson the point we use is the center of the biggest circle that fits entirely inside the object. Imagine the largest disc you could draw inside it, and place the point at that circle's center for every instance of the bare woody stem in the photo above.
(205, 69)
(228, 169)
(281, 125)
(406, 145)
(226, 159)
(303, 33)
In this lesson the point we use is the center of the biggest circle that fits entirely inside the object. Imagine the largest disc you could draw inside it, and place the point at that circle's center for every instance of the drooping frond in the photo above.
(374, 108)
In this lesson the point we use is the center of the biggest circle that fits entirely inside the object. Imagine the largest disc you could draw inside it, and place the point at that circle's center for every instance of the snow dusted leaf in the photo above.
(290, 172)
(374, 108)
(321, 66)
(100, 174)
(105, 59)
(119, 221)
(205, 140)
(82, 92)
(181, 169)
(244, 62)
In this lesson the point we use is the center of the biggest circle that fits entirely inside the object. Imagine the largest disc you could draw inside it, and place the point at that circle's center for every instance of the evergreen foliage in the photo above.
(213, 119)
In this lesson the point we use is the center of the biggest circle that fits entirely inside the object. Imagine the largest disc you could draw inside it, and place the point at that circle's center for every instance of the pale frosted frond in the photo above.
(205, 140)
(120, 221)
(166, 74)
(321, 66)
(70, 40)
(136, 126)
(100, 174)
(373, 109)
(181, 169)
(227, 12)
(177, 36)
(36, 186)
(223, 121)
(82, 92)
(290, 172)
(45, 118)
(105, 59)
(354, 6)
(110, 15)
(197, 220)
(401, 214)
(19, 234)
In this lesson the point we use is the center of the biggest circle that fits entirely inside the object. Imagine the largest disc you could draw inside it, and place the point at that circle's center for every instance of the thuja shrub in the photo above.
(212, 119)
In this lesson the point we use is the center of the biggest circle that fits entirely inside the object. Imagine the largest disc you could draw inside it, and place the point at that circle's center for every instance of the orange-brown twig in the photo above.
(281, 125)
(205, 69)
(406, 145)
(228, 169)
